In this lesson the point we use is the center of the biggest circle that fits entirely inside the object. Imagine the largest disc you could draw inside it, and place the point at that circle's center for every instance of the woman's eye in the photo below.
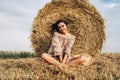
(59, 27)
(62, 25)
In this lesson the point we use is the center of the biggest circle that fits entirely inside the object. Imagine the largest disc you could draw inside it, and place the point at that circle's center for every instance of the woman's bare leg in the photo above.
(75, 61)
(51, 60)
(48, 58)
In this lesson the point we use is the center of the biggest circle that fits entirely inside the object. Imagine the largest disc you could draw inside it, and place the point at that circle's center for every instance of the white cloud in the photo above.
(6, 21)
(110, 11)
(14, 40)
(111, 5)
(16, 19)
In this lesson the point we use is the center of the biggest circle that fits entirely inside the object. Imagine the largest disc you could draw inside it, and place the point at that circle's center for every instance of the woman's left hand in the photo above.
(65, 58)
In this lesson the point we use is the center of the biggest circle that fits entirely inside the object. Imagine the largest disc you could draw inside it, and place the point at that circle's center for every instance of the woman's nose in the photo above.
(61, 28)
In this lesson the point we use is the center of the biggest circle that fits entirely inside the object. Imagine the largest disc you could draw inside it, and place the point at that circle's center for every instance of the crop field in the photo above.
(27, 66)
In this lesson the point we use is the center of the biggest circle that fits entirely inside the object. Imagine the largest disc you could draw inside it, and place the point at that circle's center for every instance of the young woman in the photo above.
(62, 42)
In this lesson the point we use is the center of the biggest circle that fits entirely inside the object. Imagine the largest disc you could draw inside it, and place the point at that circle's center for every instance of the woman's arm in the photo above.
(57, 50)
(60, 58)
(69, 46)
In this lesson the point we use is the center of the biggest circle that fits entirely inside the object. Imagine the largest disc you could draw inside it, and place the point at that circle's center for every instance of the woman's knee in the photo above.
(82, 58)
(44, 55)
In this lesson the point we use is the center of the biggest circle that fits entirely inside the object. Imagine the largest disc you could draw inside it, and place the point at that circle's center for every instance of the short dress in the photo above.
(61, 44)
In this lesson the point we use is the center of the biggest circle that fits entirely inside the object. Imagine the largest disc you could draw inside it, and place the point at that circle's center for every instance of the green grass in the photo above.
(6, 54)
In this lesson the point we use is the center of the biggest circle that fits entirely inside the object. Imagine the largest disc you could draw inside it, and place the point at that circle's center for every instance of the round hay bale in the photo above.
(84, 20)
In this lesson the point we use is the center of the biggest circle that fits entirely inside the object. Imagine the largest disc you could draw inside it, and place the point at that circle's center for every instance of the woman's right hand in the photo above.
(60, 58)
(65, 58)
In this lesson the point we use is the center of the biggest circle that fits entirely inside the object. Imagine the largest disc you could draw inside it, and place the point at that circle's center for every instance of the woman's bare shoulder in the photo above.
(69, 36)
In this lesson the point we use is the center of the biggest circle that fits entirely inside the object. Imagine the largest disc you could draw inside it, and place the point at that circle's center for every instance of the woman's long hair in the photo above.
(55, 26)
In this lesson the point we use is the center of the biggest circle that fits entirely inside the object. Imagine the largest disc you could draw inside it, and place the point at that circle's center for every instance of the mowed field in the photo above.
(27, 66)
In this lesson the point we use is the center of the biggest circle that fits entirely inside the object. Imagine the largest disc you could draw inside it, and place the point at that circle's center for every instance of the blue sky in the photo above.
(16, 17)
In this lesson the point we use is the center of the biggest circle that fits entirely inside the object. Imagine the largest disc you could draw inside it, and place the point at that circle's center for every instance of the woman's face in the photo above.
(62, 27)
